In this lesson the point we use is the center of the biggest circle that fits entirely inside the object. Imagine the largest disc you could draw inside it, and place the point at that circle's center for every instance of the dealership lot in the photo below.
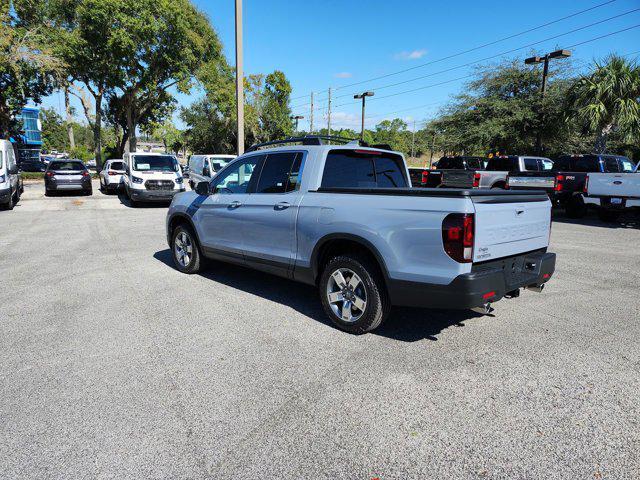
(116, 365)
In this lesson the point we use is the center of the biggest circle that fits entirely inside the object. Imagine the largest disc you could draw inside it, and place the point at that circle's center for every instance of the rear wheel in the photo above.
(353, 294)
(10, 203)
(575, 207)
(185, 250)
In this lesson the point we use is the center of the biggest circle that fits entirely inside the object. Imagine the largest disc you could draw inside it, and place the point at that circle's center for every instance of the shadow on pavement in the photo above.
(628, 219)
(403, 324)
(124, 200)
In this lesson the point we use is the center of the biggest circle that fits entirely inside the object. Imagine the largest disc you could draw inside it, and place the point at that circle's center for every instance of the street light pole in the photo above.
(363, 96)
(543, 87)
(296, 118)
(239, 78)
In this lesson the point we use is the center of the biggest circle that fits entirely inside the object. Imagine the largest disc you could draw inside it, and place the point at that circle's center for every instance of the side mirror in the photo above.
(202, 188)
(13, 170)
(206, 172)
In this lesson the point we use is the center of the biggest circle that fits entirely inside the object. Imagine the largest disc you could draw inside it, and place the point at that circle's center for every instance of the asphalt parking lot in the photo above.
(115, 365)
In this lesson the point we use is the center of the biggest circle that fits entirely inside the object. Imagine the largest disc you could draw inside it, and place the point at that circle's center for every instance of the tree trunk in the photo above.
(131, 127)
(97, 134)
(601, 140)
(67, 106)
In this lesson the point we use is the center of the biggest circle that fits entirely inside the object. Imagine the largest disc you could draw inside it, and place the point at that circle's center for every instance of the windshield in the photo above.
(155, 163)
(218, 163)
(62, 166)
(117, 166)
(626, 165)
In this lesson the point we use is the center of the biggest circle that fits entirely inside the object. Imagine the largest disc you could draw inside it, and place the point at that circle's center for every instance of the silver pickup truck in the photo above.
(612, 193)
(345, 218)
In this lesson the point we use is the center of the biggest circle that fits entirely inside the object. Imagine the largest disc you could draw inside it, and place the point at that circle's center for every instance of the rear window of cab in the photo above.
(363, 169)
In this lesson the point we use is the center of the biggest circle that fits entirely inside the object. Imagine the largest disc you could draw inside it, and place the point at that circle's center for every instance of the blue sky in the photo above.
(319, 44)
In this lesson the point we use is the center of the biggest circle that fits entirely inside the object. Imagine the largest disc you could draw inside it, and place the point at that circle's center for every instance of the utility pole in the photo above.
(311, 118)
(413, 139)
(543, 88)
(239, 78)
(363, 96)
(329, 114)
(433, 146)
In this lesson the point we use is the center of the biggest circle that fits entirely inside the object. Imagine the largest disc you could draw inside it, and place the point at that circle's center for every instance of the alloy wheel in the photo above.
(183, 248)
(347, 295)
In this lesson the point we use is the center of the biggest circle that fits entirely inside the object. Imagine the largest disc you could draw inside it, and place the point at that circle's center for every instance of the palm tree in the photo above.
(608, 99)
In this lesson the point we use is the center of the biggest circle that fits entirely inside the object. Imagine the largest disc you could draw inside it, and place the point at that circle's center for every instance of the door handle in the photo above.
(235, 204)
(282, 206)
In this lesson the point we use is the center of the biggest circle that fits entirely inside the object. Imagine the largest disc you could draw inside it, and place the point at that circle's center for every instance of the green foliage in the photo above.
(28, 69)
(54, 133)
(607, 100)
(81, 152)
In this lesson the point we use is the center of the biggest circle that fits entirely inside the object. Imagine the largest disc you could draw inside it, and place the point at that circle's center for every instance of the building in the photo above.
(30, 142)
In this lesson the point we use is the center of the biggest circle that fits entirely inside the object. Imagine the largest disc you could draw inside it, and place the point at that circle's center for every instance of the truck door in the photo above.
(270, 213)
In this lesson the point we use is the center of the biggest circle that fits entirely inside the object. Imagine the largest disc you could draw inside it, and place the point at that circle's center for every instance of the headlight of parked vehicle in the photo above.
(136, 180)
(179, 180)
(3, 179)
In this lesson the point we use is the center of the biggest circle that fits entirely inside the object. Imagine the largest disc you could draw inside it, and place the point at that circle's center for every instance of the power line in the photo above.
(502, 53)
(495, 56)
(474, 48)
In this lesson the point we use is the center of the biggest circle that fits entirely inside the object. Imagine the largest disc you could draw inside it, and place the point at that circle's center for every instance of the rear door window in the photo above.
(280, 173)
(531, 165)
(117, 166)
(501, 164)
(546, 165)
(360, 168)
(63, 166)
(589, 163)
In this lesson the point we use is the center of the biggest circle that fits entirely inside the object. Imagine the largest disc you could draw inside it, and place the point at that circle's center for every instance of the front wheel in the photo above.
(353, 293)
(10, 203)
(185, 250)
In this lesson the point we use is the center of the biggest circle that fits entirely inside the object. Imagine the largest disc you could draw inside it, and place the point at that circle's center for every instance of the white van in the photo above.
(203, 167)
(150, 177)
(11, 186)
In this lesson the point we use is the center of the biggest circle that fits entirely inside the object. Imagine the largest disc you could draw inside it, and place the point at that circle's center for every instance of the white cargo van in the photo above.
(151, 177)
(203, 167)
(10, 180)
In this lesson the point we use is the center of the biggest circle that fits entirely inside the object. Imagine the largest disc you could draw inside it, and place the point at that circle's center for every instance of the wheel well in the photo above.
(176, 221)
(341, 246)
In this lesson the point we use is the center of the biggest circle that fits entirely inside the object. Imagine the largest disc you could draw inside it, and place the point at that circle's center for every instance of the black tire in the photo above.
(575, 207)
(371, 286)
(194, 263)
(103, 188)
(47, 192)
(10, 203)
(498, 186)
(608, 215)
(88, 192)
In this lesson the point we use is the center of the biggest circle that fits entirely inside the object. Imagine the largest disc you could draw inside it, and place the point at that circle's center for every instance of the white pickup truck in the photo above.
(612, 193)
(345, 218)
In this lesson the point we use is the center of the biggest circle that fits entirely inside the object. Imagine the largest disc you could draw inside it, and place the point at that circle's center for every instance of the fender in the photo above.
(354, 238)
(180, 216)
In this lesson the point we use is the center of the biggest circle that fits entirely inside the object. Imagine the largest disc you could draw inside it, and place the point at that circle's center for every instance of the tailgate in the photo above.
(505, 226)
(457, 178)
(621, 185)
(546, 182)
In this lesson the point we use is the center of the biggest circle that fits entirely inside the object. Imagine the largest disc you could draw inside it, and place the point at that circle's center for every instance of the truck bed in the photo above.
(478, 195)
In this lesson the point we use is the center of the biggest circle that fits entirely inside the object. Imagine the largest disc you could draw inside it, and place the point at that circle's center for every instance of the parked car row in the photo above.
(565, 180)
(345, 219)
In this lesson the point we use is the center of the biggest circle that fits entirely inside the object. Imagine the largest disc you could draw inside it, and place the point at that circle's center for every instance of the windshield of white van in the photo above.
(155, 163)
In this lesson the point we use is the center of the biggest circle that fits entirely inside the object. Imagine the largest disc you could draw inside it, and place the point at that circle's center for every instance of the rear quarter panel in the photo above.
(405, 231)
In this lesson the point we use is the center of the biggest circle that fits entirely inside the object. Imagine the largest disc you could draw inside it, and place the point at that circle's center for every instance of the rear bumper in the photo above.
(487, 282)
(607, 202)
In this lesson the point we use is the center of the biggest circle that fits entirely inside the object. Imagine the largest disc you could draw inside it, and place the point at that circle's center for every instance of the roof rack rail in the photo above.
(317, 140)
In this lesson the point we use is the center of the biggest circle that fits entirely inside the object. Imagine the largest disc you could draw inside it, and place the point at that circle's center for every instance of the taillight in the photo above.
(586, 184)
(85, 173)
(457, 236)
(559, 185)
(476, 180)
(112, 173)
(425, 176)
(50, 174)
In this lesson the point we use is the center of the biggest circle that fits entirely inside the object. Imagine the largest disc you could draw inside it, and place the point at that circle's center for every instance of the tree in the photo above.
(167, 40)
(172, 138)
(28, 68)
(275, 114)
(54, 135)
(607, 100)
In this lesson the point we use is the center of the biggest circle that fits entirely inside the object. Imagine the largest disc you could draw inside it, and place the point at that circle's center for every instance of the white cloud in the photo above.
(345, 120)
(343, 75)
(413, 55)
